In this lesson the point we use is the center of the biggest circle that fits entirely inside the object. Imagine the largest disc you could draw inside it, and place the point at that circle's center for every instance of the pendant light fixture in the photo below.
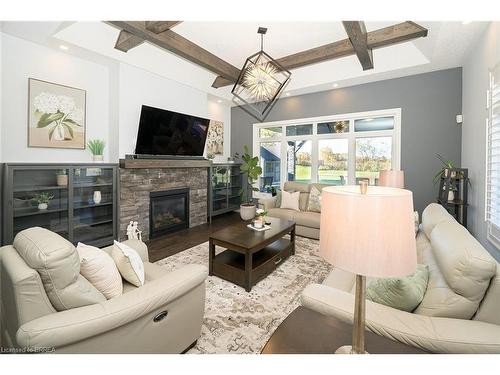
(260, 82)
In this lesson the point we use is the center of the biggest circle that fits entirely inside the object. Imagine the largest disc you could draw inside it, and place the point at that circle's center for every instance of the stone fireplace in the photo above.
(168, 211)
(142, 181)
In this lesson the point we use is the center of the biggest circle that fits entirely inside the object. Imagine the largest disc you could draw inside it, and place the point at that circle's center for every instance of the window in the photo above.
(492, 201)
(337, 150)
(332, 161)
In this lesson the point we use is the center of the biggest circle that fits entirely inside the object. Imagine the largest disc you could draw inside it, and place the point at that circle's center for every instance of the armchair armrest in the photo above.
(66, 327)
(433, 334)
(268, 203)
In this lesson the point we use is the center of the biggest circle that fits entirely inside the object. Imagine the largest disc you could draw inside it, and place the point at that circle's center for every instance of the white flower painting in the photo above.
(215, 138)
(56, 115)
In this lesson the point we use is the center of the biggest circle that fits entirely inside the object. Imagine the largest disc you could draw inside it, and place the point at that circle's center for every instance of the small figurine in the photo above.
(133, 232)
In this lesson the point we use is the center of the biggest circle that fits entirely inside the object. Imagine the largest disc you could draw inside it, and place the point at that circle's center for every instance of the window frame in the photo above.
(351, 135)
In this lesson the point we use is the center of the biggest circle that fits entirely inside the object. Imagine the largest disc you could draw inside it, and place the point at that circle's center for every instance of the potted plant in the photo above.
(62, 177)
(96, 148)
(447, 165)
(43, 200)
(250, 166)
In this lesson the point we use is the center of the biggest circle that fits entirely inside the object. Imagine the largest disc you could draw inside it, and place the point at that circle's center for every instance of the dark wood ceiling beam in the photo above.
(181, 46)
(356, 31)
(158, 27)
(127, 41)
(386, 36)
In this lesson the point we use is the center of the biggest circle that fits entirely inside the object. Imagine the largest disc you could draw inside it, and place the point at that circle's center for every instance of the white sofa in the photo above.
(460, 312)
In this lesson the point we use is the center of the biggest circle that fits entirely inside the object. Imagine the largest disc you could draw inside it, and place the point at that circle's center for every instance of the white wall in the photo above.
(481, 58)
(22, 60)
(115, 93)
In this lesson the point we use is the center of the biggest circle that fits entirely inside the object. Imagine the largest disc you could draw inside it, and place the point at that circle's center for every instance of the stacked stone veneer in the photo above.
(136, 184)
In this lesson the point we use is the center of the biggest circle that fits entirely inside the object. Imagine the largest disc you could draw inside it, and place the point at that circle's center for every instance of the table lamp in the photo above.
(395, 179)
(369, 231)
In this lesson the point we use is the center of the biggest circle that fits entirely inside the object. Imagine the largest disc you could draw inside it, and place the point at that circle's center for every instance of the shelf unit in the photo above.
(225, 182)
(72, 212)
(455, 180)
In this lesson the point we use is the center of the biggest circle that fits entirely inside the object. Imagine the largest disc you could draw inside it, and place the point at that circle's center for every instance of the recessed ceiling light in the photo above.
(335, 85)
(466, 22)
(63, 47)
(287, 94)
(219, 101)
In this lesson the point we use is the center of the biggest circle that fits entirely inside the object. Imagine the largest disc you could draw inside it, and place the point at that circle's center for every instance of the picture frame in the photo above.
(56, 115)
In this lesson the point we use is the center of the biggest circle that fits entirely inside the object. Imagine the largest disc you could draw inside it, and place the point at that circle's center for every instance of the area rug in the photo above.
(240, 322)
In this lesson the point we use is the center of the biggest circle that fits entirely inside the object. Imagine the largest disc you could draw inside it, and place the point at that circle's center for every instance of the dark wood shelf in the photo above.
(26, 189)
(93, 205)
(39, 212)
(92, 185)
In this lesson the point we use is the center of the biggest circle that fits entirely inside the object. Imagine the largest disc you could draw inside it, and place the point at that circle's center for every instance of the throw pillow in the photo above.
(290, 200)
(314, 204)
(100, 270)
(129, 263)
(404, 293)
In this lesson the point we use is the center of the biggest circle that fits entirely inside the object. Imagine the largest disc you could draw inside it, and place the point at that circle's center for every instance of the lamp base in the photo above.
(347, 349)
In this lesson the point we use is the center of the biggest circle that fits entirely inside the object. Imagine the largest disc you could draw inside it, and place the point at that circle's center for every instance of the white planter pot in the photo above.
(247, 212)
(97, 158)
(43, 206)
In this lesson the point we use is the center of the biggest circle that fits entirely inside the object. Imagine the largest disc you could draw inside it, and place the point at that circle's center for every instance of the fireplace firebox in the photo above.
(168, 211)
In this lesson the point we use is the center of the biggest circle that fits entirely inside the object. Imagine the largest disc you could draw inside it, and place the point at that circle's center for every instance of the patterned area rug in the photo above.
(240, 322)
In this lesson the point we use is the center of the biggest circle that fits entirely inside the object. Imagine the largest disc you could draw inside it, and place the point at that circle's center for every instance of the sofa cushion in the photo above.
(314, 204)
(282, 213)
(290, 200)
(129, 263)
(307, 219)
(296, 186)
(460, 270)
(434, 214)
(57, 262)
(151, 272)
(100, 270)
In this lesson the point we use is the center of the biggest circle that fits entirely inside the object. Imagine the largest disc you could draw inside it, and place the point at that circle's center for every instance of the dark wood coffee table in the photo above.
(250, 255)
(306, 331)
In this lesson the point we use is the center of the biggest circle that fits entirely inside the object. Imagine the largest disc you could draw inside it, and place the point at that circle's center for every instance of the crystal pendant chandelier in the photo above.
(260, 82)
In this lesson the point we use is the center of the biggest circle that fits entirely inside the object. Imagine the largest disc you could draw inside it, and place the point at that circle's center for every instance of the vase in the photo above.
(451, 195)
(58, 134)
(247, 212)
(42, 206)
(97, 158)
(97, 197)
(62, 180)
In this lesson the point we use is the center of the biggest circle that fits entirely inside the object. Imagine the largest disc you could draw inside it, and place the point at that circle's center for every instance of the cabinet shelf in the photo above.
(226, 180)
(77, 207)
(25, 189)
(39, 212)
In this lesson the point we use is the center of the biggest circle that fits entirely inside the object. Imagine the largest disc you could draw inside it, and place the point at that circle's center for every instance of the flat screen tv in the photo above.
(163, 132)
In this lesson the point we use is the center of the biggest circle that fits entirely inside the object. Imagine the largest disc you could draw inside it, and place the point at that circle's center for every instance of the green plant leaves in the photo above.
(71, 122)
(48, 118)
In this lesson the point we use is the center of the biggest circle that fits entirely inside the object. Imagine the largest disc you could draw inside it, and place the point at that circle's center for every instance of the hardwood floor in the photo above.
(174, 243)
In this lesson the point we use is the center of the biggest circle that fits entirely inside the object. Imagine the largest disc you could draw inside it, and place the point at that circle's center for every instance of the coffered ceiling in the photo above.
(444, 47)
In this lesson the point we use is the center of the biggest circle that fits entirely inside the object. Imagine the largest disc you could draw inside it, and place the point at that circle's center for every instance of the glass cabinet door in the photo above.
(93, 205)
(234, 187)
(220, 181)
(40, 198)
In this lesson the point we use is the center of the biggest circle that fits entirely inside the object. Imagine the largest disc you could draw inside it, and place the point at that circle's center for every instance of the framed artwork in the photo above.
(56, 115)
(215, 138)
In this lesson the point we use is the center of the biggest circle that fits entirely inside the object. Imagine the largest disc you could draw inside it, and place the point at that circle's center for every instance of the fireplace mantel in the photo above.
(164, 163)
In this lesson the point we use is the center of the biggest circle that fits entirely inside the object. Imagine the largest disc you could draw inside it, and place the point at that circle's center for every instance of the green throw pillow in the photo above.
(404, 293)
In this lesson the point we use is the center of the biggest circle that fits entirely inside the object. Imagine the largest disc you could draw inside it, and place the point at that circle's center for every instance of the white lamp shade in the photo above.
(370, 234)
(395, 179)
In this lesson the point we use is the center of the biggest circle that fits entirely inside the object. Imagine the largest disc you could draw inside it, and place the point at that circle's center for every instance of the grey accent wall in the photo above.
(482, 58)
(429, 103)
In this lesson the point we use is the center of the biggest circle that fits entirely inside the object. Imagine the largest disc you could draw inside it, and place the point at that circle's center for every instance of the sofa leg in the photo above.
(189, 347)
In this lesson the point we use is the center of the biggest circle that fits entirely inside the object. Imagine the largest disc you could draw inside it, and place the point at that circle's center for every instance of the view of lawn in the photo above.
(328, 176)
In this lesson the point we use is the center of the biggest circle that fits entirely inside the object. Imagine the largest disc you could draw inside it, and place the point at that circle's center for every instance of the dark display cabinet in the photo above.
(77, 201)
(225, 183)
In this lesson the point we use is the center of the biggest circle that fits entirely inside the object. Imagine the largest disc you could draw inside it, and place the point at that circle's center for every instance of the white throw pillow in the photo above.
(100, 270)
(290, 200)
(129, 263)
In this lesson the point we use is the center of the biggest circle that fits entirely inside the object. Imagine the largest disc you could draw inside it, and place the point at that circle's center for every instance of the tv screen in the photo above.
(163, 132)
